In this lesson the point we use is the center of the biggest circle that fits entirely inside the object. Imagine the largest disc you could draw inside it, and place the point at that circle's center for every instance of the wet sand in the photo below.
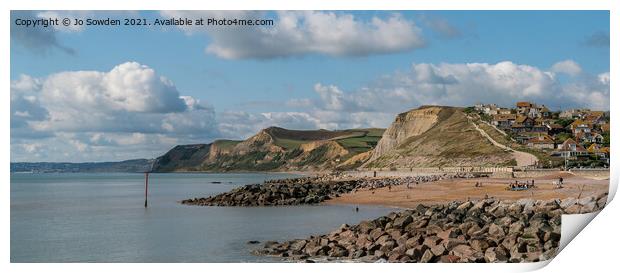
(462, 189)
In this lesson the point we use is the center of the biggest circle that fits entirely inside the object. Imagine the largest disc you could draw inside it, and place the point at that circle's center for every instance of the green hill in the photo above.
(274, 149)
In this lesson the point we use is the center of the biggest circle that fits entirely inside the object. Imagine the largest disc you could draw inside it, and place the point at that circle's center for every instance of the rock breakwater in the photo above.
(487, 230)
(306, 190)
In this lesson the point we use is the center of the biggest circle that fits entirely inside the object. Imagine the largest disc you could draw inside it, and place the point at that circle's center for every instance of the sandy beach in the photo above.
(461, 189)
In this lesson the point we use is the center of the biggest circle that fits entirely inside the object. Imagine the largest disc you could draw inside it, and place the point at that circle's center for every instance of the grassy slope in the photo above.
(354, 140)
(289, 144)
(186, 158)
(226, 144)
(452, 141)
(360, 143)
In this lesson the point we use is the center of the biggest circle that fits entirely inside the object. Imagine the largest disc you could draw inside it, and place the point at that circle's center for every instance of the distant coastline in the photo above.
(130, 166)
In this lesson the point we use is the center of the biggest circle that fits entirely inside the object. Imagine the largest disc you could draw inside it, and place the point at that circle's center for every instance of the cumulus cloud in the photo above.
(91, 111)
(461, 85)
(297, 33)
(130, 87)
(569, 67)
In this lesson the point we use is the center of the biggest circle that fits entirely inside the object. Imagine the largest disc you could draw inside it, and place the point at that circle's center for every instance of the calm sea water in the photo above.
(101, 218)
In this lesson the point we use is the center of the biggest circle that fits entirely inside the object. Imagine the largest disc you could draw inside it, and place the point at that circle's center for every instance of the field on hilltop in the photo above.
(275, 149)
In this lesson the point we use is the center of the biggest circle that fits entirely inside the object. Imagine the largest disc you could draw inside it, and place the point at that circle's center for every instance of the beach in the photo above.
(463, 189)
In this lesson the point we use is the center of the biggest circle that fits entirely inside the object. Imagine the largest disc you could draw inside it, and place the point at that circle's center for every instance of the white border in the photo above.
(595, 249)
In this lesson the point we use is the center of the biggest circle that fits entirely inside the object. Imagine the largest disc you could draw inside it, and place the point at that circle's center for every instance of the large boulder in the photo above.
(495, 254)
(401, 222)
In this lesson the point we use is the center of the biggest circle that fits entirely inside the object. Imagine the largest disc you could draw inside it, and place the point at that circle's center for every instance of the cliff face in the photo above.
(406, 125)
(432, 137)
(273, 149)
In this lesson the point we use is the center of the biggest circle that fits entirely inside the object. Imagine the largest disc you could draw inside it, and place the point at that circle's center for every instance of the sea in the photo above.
(100, 217)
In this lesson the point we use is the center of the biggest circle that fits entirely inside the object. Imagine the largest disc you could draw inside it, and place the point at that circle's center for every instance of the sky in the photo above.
(107, 93)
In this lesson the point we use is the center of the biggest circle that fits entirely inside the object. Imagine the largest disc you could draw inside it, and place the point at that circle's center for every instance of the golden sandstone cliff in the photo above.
(430, 136)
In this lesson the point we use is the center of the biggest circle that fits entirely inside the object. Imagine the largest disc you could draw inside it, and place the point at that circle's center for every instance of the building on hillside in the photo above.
(525, 121)
(489, 109)
(573, 113)
(533, 112)
(595, 117)
(523, 107)
(570, 148)
(590, 137)
(504, 111)
(555, 128)
(601, 152)
(504, 121)
(522, 124)
(541, 142)
(598, 150)
(542, 121)
(580, 126)
(525, 124)
(544, 112)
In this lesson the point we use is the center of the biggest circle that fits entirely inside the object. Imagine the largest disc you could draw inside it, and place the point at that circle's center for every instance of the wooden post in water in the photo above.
(146, 189)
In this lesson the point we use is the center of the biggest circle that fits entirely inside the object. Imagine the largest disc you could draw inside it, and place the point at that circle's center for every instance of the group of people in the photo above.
(521, 185)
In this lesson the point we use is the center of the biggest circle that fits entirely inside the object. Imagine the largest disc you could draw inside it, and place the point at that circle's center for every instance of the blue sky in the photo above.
(353, 80)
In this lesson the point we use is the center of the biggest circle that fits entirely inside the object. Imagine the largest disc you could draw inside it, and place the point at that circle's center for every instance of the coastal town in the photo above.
(568, 138)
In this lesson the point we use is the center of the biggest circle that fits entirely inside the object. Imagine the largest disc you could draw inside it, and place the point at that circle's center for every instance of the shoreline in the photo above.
(444, 191)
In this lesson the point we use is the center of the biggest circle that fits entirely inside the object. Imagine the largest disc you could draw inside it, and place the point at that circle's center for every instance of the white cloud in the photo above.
(129, 87)
(240, 124)
(130, 97)
(461, 85)
(603, 78)
(569, 67)
(305, 32)
(93, 111)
